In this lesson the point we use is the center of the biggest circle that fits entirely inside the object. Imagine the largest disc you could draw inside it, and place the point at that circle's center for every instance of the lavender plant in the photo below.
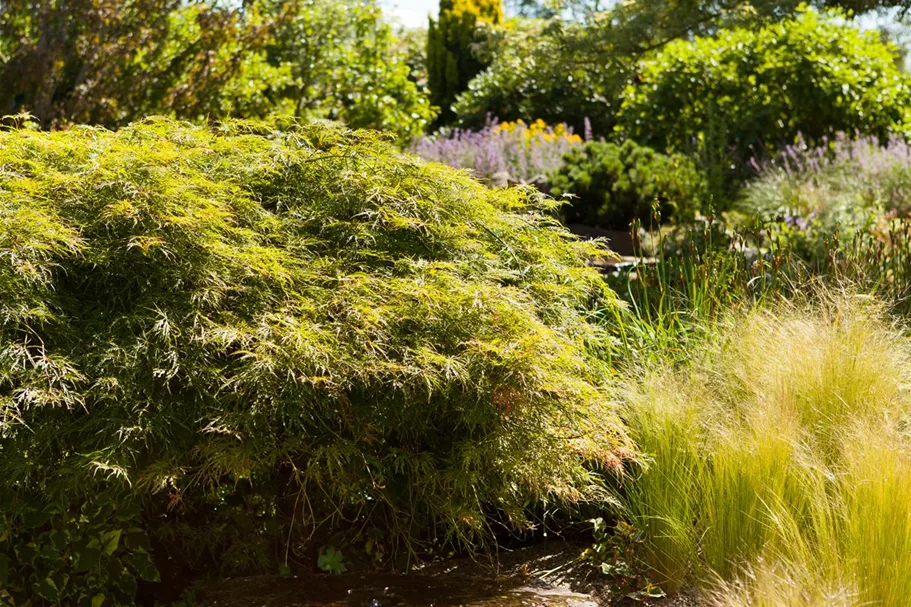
(841, 181)
(503, 152)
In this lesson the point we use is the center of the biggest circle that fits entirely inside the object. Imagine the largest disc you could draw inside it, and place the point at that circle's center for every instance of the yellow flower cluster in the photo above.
(539, 129)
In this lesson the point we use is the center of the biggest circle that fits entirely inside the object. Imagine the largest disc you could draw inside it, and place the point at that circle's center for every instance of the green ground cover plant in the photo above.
(261, 334)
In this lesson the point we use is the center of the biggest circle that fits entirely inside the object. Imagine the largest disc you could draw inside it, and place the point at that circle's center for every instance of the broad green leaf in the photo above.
(110, 540)
(85, 558)
(47, 589)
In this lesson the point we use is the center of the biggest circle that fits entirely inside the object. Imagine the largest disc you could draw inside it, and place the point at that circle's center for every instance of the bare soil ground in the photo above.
(544, 575)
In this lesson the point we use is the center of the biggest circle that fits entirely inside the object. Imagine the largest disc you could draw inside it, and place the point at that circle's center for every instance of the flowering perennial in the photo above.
(503, 152)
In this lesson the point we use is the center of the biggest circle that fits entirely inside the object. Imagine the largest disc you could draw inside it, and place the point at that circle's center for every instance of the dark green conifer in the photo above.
(451, 62)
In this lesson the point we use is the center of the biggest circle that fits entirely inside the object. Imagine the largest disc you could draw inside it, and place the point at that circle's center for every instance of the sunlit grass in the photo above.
(663, 500)
(775, 585)
(876, 491)
(780, 470)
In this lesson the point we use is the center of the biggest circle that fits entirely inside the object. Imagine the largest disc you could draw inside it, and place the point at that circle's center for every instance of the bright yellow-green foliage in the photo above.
(360, 338)
(451, 62)
(780, 585)
(781, 462)
(486, 11)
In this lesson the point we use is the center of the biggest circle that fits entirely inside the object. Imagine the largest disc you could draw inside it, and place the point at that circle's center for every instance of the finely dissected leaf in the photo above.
(303, 309)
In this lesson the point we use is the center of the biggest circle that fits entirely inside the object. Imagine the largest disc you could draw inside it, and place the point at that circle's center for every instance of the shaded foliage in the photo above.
(114, 61)
(107, 62)
(62, 552)
(611, 185)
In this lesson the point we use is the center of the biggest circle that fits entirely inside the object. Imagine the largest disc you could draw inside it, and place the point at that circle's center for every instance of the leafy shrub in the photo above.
(747, 93)
(532, 75)
(411, 45)
(66, 553)
(613, 184)
(576, 61)
(296, 323)
(501, 152)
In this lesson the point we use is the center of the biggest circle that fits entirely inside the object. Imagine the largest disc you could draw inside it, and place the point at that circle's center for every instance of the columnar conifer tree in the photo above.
(451, 63)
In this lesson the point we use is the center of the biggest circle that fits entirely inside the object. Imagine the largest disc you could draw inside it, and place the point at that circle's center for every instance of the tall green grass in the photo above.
(691, 276)
(768, 389)
(780, 463)
(778, 585)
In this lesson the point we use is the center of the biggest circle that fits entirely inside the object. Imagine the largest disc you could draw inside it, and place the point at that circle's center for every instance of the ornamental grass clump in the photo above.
(779, 461)
(265, 333)
(838, 184)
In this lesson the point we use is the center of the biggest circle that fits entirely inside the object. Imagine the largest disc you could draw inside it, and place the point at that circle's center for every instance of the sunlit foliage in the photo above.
(111, 62)
(357, 338)
(746, 93)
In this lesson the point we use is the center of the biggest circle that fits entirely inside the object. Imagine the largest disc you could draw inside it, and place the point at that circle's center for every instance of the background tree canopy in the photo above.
(451, 58)
(107, 62)
(533, 75)
(112, 61)
(565, 70)
(746, 92)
